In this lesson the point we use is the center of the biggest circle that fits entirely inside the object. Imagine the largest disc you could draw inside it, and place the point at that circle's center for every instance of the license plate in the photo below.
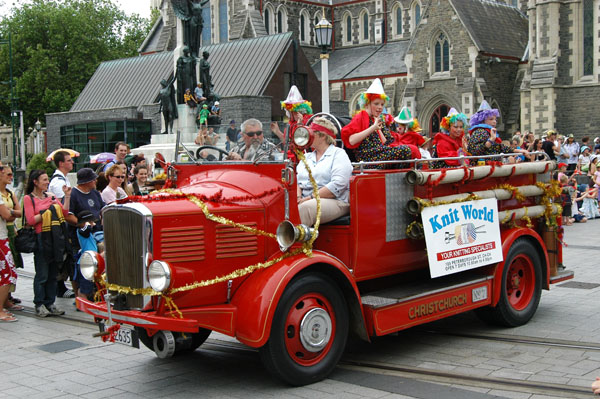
(125, 335)
(480, 294)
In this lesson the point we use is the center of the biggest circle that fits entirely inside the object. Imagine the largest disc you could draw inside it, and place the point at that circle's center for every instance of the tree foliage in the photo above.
(38, 161)
(57, 46)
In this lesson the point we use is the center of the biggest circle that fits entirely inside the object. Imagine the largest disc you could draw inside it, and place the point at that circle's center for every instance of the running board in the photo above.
(562, 276)
(406, 306)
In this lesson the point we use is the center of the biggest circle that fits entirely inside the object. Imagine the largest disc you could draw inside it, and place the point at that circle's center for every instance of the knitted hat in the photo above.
(295, 103)
(484, 112)
(404, 117)
(374, 92)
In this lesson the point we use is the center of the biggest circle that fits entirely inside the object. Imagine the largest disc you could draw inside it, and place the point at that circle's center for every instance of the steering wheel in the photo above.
(222, 153)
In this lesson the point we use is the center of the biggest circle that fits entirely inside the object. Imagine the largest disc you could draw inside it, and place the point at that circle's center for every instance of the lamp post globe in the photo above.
(323, 32)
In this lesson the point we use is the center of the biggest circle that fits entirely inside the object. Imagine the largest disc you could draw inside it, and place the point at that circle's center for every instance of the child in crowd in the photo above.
(567, 200)
(203, 115)
(87, 241)
(589, 206)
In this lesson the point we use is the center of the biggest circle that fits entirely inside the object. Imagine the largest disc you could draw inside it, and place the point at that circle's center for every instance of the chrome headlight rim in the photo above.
(88, 265)
(159, 275)
(302, 136)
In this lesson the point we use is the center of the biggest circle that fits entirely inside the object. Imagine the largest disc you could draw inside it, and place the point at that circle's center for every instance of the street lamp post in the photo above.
(37, 134)
(21, 137)
(323, 32)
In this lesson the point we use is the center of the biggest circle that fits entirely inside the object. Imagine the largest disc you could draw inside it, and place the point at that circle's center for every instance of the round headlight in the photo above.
(88, 264)
(301, 136)
(159, 275)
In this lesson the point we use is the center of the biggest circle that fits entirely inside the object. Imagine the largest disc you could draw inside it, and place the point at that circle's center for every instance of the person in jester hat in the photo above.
(369, 135)
(297, 109)
(483, 139)
(451, 141)
(409, 132)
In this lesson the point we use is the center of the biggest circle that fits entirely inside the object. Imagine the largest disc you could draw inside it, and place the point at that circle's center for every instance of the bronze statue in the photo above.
(205, 77)
(167, 104)
(190, 12)
(186, 74)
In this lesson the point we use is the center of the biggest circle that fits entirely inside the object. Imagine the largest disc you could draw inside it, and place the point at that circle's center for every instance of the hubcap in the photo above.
(520, 282)
(315, 330)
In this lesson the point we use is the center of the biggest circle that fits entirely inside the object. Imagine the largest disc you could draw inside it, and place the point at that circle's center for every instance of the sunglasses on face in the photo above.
(119, 177)
(251, 134)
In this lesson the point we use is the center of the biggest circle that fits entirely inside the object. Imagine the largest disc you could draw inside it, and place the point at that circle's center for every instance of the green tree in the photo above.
(38, 161)
(57, 46)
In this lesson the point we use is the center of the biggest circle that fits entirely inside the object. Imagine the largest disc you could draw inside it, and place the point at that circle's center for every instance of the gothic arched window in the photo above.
(441, 54)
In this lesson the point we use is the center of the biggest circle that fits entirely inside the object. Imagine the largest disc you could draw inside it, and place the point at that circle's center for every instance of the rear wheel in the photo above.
(521, 287)
(309, 331)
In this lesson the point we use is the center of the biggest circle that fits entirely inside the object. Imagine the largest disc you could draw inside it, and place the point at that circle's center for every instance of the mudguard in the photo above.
(257, 298)
(508, 237)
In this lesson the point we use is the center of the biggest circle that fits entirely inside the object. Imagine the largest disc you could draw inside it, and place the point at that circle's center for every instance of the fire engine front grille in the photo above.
(124, 238)
(234, 243)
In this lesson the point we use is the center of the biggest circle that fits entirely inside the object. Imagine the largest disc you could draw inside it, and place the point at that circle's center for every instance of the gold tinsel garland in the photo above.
(306, 249)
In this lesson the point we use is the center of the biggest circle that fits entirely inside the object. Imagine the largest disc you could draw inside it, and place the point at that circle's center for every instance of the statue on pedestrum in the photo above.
(167, 104)
(190, 13)
(205, 77)
(186, 74)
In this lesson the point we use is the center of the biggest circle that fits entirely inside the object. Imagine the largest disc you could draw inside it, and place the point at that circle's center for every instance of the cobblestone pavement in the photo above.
(58, 357)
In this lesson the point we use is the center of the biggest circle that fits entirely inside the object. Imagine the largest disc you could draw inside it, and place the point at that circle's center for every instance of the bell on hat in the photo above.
(404, 117)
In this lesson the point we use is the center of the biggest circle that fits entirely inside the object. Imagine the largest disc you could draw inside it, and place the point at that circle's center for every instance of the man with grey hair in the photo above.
(253, 146)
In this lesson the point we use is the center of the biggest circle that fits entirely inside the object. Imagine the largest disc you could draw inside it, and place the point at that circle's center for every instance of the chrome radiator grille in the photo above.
(127, 234)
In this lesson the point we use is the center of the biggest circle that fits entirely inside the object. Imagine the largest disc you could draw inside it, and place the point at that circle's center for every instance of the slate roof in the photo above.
(366, 61)
(125, 82)
(481, 17)
(245, 67)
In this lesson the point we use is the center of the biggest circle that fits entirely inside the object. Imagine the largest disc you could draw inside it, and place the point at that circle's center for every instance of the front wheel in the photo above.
(309, 331)
(521, 287)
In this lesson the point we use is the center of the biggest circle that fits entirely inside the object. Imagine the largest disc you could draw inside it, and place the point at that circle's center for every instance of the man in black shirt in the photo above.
(232, 135)
(548, 145)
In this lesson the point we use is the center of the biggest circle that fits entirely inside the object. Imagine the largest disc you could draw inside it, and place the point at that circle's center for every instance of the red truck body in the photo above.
(364, 276)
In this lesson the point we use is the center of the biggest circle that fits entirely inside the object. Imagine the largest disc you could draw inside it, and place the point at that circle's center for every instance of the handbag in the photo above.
(26, 238)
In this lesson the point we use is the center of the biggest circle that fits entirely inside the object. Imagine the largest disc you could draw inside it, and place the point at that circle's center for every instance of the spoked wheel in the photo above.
(521, 287)
(309, 331)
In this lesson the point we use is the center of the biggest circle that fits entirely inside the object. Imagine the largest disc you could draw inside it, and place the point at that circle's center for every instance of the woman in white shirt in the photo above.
(113, 191)
(331, 169)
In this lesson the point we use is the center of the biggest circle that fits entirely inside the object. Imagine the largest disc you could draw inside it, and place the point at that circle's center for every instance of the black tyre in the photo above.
(309, 331)
(521, 287)
(190, 343)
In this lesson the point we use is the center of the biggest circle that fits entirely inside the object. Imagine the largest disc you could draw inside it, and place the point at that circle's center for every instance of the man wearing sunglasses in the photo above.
(253, 146)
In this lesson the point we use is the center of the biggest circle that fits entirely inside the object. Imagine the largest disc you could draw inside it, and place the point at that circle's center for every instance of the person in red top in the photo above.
(369, 135)
(297, 109)
(451, 141)
(408, 132)
(37, 200)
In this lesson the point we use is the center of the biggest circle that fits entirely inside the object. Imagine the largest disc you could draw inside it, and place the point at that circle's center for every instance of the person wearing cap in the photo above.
(297, 109)
(369, 135)
(408, 132)
(85, 197)
(572, 150)
(583, 163)
(549, 146)
(215, 109)
(203, 116)
(231, 135)
(331, 168)
(451, 141)
(86, 221)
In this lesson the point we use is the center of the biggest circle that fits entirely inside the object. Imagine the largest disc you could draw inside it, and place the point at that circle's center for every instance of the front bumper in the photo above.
(147, 320)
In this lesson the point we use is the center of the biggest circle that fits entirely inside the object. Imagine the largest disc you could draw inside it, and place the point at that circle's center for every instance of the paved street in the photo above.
(58, 357)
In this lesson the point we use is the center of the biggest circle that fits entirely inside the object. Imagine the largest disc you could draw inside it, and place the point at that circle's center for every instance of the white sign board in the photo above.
(462, 236)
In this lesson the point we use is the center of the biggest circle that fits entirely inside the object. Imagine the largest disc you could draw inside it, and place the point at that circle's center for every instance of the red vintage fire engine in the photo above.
(223, 250)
